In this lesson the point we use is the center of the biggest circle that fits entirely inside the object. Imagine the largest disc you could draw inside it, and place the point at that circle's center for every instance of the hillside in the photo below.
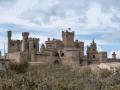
(57, 77)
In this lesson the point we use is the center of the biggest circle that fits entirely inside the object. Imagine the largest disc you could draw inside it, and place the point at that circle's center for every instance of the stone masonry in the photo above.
(66, 51)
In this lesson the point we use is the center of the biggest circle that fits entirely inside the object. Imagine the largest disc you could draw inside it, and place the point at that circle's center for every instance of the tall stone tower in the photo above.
(9, 35)
(71, 52)
(68, 38)
(33, 48)
(114, 56)
(81, 47)
(25, 43)
(92, 51)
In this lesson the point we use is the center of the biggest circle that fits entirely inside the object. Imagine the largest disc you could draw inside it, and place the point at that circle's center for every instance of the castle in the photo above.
(66, 51)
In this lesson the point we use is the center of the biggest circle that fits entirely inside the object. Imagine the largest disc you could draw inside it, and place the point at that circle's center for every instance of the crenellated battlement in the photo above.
(25, 33)
(80, 42)
(67, 33)
(68, 38)
(66, 50)
(34, 39)
(17, 41)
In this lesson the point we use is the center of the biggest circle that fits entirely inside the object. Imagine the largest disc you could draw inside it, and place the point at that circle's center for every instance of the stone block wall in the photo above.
(71, 56)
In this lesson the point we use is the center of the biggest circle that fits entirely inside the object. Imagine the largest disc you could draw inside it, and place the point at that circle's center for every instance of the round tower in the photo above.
(9, 35)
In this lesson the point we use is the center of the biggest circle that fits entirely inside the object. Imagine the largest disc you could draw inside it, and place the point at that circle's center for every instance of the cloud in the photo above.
(97, 18)
(6, 3)
(56, 13)
(90, 19)
(107, 4)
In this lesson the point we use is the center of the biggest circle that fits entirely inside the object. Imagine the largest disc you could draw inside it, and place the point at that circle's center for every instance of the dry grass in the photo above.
(57, 77)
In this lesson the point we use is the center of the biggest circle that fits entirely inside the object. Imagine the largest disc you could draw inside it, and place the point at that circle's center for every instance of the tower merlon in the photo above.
(25, 33)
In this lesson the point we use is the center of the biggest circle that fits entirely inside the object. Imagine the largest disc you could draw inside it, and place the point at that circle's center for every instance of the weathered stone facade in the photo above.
(65, 51)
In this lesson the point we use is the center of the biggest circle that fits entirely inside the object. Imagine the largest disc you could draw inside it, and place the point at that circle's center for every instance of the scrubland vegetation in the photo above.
(58, 77)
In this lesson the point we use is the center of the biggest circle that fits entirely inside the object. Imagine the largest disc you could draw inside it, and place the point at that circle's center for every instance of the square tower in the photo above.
(92, 53)
(68, 38)
(25, 43)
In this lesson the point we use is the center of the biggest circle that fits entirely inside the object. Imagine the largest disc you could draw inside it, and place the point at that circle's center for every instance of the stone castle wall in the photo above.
(71, 56)
(67, 51)
(14, 56)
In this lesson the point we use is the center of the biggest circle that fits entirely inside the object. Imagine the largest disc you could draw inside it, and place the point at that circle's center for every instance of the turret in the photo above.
(48, 39)
(114, 56)
(9, 35)
(93, 45)
(92, 51)
(25, 35)
(42, 48)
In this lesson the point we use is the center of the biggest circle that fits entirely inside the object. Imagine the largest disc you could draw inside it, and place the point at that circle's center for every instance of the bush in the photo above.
(116, 87)
(19, 68)
(104, 73)
(58, 77)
